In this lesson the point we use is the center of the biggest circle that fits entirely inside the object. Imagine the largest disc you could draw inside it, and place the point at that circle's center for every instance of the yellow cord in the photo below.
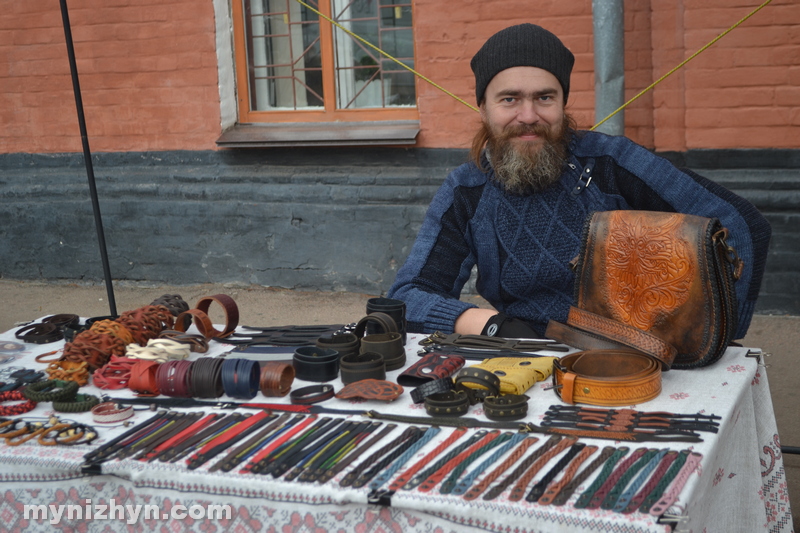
(417, 74)
(662, 78)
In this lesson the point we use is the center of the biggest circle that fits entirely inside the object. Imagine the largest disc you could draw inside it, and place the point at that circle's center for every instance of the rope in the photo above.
(381, 52)
(665, 76)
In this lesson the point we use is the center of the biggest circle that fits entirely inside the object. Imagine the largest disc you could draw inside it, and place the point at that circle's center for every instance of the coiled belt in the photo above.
(607, 377)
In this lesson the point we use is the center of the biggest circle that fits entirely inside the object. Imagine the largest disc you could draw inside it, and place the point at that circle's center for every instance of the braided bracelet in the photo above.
(80, 404)
(51, 390)
(16, 409)
(110, 412)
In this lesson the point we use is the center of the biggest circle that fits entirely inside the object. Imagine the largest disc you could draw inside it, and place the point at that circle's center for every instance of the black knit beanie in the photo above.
(524, 45)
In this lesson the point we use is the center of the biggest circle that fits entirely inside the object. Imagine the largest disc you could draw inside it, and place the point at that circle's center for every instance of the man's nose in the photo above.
(527, 113)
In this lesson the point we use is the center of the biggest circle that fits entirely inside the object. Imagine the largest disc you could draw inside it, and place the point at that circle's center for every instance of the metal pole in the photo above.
(87, 156)
(609, 64)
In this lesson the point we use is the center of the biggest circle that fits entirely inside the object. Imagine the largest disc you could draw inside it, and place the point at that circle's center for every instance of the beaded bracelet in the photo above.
(16, 409)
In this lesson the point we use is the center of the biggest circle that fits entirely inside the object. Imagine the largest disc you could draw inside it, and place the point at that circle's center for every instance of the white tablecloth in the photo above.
(739, 486)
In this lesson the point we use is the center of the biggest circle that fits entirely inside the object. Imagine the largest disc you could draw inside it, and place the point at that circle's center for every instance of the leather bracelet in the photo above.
(478, 489)
(656, 493)
(115, 374)
(345, 343)
(631, 489)
(61, 321)
(39, 333)
(418, 479)
(450, 485)
(142, 378)
(506, 407)
(518, 491)
(172, 378)
(632, 502)
(366, 365)
(554, 489)
(451, 403)
(276, 378)
(197, 343)
(478, 378)
(173, 302)
(419, 394)
(382, 320)
(596, 493)
(231, 312)
(51, 390)
(414, 436)
(619, 480)
(448, 467)
(355, 474)
(205, 378)
(407, 474)
(241, 378)
(201, 321)
(661, 507)
(311, 395)
(316, 364)
(608, 458)
(539, 488)
(350, 456)
(495, 491)
(386, 475)
(371, 389)
(16, 409)
(430, 367)
(109, 412)
(79, 404)
(389, 345)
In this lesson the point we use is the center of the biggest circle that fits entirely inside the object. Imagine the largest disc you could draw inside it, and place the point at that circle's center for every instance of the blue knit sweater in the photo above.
(522, 244)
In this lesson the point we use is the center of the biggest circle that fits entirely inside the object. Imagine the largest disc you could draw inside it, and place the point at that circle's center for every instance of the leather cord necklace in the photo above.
(518, 452)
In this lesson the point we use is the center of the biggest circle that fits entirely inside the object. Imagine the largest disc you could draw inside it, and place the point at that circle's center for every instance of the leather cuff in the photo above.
(507, 407)
(389, 345)
(367, 365)
(312, 394)
(316, 364)
(419, 394)
(452, 403)
(501, 325)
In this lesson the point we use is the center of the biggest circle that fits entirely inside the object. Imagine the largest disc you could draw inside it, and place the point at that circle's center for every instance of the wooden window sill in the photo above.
(396, 132)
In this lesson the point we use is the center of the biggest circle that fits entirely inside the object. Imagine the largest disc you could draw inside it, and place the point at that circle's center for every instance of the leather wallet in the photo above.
(430, 367)
(517, 374)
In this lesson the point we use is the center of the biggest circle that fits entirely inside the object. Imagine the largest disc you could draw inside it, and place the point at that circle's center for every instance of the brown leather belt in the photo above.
(607, 377)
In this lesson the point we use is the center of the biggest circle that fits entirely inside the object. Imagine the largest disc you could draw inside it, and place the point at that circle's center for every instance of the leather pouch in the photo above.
(517, 374)
(660, 283)
(430, 367)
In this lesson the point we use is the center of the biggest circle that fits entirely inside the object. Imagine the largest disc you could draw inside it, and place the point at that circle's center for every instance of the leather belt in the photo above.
(64, 320)
(452, 403)
(389, 345)
(230, 308)
(39, 333)
(311, 395)
(366, 365)
(607, 377)
(316, 364)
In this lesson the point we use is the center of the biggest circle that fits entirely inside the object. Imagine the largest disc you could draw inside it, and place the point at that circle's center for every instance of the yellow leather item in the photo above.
(517, 374)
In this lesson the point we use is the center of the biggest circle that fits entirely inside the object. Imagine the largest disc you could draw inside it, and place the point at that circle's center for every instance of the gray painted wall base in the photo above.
(322, 219)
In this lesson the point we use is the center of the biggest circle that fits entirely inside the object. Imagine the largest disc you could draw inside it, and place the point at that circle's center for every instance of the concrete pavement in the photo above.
(262, 306)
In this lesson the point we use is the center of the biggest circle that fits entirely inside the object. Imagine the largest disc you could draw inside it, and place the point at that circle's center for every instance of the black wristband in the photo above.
(501, 325)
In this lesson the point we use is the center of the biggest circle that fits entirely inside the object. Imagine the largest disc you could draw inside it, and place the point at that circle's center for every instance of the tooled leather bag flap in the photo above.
(662, 273)
(430, 367)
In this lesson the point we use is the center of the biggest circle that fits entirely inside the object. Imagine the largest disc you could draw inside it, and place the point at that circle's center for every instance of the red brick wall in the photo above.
(148, 72)
(148, 75)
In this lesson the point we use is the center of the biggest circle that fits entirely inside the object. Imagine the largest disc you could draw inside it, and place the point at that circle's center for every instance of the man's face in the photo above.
(523, 111)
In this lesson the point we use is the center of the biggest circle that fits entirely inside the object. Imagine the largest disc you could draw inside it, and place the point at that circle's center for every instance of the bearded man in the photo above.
(517, 210)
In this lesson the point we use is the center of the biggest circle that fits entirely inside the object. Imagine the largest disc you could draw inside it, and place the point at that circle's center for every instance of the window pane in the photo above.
(364, 79)
(284, 60)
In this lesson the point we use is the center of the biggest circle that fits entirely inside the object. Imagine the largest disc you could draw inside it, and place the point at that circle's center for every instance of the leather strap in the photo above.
(538, 489)
(439, 475)
(407, 474)
(624, 334)
(656, 493)
(507, 407)
(39, 333)
(619, 496)
(142, 379)
(109, 412)
(386, 475)
(518, 452)
(607, 377)
(554, 489)
(201, 321)
(518, 491)
(353, 453)
(495, 491)
(415, 436)
(437, 386)
(631, 502)
(451, 403)
(661, 507)
(466, 482)
(608, 458)
(389, 345)
(276, 378)
(353, 475)
(316, 364)
(230, 308)
(366, 365)
(593, 501)
(449, 484)
(478, 378)
(416, 480)
(311, 395)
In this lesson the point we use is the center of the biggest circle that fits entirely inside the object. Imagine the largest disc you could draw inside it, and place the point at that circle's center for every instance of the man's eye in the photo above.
(545, 98)
(509, 99)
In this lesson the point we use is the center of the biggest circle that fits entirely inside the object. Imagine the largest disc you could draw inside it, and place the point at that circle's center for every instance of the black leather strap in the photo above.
(506, 407)
(367, 365)
(311, 395)
(39, 333)
(419, 394)
(316, 364)
(64, 320)
(452, 403)
(478, 376)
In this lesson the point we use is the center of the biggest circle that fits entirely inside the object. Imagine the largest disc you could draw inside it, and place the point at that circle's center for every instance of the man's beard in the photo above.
(529, 167)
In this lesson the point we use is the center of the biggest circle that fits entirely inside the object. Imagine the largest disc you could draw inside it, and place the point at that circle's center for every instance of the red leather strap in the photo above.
(439, 475)
(406, 476)
(143, 378)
